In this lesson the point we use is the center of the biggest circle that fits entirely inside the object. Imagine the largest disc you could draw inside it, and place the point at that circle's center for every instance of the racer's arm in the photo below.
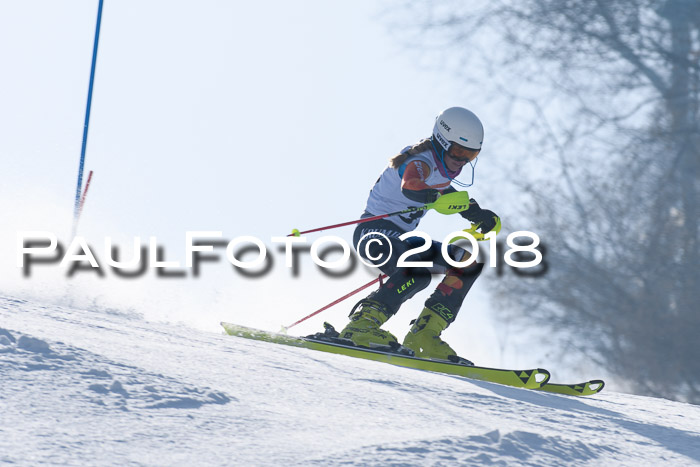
(413, 184)
(449, 189)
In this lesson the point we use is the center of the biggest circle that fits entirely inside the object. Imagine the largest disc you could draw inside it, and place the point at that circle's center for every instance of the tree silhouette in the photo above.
(608, 93)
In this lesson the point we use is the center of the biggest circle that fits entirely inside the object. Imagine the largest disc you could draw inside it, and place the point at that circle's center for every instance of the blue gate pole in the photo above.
(87, 118)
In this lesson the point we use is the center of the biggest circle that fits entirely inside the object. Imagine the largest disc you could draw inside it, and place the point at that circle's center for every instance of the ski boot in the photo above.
(364, 326)
(424, 338)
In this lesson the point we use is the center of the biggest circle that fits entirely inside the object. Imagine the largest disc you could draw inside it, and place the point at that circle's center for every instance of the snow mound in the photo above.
(102, 388)
(514, 448)
(33, 345)
(96, 380)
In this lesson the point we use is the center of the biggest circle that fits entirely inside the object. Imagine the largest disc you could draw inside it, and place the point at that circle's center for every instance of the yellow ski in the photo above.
(529, 379)
(581, 389)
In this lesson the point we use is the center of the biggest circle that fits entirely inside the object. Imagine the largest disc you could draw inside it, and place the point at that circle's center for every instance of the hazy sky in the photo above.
(250, 118)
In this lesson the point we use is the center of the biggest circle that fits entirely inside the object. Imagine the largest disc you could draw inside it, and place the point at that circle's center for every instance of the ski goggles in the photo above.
(462, 154)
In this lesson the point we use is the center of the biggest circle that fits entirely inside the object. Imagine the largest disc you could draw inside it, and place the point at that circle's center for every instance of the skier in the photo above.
(420, 174)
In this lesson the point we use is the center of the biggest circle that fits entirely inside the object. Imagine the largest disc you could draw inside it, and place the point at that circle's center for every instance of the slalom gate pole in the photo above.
(76, 219)
(76, 206)
(372, 282)
(82, 199)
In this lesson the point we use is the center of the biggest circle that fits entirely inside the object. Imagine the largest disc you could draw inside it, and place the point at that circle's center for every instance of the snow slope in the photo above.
(101, 387)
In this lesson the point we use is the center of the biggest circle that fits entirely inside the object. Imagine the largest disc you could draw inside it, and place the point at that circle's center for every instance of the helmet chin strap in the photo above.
(441, 157)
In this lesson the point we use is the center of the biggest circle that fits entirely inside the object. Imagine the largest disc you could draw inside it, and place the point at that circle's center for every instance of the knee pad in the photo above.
(460, 280)
(450, 293)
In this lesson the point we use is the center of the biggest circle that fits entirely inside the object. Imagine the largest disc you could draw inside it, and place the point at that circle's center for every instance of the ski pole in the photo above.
(373, 281)
(449, 203)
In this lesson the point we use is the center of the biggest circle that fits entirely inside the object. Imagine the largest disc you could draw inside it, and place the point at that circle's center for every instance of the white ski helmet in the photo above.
(458, 125)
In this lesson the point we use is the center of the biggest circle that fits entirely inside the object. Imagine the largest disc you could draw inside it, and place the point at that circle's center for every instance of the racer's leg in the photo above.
(441, 308)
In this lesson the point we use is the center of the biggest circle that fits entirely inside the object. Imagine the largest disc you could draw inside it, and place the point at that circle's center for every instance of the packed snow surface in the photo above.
(99, 387)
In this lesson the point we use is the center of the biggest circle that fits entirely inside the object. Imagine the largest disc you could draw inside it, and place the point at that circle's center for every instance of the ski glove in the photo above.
(483, 218)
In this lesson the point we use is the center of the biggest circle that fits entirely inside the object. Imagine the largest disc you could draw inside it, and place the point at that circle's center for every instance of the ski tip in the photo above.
(588, 388)
(542, 376)
(595, 386)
